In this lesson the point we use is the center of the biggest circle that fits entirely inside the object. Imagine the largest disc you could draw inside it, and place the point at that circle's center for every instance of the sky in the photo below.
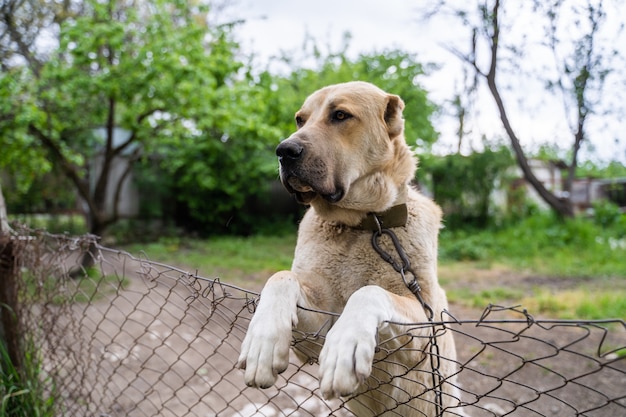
(272, 26)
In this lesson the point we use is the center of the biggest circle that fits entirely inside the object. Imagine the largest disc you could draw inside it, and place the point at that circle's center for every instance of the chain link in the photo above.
(403, 268)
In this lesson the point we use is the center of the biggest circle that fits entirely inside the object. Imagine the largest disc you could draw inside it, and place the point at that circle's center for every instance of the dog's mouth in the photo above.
(305, 193)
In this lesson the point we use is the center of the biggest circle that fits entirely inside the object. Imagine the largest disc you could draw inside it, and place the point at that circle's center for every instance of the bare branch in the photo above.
(66, 166)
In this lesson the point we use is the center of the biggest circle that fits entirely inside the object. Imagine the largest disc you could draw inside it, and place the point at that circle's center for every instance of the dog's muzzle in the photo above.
(290, 153)
(298, 179)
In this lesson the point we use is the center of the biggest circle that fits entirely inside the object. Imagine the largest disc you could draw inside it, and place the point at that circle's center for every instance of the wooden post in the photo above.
(10, 332)
(8, 300)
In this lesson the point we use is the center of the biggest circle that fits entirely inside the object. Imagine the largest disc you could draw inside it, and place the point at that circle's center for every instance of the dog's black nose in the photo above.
(289, 149)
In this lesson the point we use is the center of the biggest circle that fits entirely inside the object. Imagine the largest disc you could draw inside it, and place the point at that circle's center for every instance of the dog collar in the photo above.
(396, 216)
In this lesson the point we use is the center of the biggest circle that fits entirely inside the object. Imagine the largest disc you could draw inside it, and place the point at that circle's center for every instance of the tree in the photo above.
(579, 71)
(215, 175)
(153, 68)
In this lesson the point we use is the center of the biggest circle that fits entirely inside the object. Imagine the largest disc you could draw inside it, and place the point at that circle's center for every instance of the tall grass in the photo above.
(546, 245)
(25, 392)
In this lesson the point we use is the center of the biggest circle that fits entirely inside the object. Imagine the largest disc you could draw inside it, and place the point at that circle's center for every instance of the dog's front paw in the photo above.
(265, 349)
(346, 358)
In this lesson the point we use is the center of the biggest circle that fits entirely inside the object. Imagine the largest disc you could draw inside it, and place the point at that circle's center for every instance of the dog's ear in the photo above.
(393, 115)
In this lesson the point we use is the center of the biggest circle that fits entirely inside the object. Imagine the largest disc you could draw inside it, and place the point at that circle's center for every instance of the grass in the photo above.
(579, 303)
(483, 297)
(26, 392)
(545, 245)
(578, 266)
(475, 284)
(558, 269)
(246, 262)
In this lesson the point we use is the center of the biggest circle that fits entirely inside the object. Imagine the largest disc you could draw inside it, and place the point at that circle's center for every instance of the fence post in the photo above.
(10, 323)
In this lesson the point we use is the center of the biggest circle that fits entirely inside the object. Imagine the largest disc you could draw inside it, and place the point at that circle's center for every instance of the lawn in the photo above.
(243, 261)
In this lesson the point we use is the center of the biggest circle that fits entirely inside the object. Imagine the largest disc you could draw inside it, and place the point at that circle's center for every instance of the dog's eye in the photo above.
(299, 121)
(340, 116)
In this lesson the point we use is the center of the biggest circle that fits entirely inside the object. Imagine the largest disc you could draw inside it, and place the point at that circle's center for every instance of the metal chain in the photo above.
(403, 268)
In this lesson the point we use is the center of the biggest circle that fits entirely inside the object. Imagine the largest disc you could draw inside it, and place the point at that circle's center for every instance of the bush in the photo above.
(463, 185)
(608, 215)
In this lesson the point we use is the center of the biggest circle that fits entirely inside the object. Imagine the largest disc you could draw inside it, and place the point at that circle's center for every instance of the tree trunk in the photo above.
(88, 259)
(562, 206)
(4, 219)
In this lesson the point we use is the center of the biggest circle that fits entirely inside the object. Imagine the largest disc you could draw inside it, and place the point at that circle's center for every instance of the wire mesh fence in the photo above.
(132, 337)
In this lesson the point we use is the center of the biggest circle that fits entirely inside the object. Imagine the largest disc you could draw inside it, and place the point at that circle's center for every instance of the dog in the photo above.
(348, 160)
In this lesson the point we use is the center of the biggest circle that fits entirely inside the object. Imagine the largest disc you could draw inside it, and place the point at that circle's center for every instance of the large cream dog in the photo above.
(349, 161)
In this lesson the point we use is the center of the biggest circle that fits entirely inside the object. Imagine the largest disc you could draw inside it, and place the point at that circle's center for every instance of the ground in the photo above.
(166, 342)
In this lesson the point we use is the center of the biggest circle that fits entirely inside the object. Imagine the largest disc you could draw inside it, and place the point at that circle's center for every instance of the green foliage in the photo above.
(589, 169)
(216, 176)
(464, 247)
(59, 223)
(202, 124)
(20, 154)
(25, 392)
(394, 71)
(462, 185)
(49, 192)
(609, 215)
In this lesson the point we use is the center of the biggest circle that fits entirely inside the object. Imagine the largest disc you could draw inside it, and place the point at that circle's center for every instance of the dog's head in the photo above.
(348, 156)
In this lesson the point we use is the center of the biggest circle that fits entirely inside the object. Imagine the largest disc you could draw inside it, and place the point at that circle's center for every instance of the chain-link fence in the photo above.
(133, 337)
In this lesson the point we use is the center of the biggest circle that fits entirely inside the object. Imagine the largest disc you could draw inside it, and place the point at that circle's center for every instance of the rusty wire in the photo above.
(134, 337)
